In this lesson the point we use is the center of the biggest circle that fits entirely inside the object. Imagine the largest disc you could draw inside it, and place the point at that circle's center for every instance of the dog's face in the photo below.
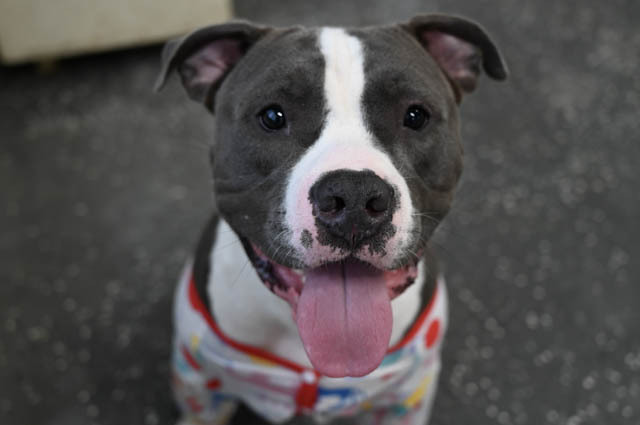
(336, 155)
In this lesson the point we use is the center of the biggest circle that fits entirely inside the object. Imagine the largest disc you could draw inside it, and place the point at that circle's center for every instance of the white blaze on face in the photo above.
(345, 143)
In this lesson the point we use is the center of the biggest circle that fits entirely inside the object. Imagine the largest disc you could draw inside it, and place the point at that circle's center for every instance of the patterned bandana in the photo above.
(212, 372)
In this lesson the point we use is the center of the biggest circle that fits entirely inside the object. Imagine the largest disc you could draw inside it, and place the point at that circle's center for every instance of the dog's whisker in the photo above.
(195, 144)
(218, 250)
(240, 273)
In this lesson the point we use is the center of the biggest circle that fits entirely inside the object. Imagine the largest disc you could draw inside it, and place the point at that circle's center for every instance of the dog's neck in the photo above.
(248, 312)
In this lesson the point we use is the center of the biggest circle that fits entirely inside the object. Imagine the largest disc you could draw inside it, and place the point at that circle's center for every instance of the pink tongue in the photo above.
(344, 318)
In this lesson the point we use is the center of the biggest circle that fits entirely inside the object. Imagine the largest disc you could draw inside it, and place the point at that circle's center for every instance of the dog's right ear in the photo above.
(204, 57)
(460, 47)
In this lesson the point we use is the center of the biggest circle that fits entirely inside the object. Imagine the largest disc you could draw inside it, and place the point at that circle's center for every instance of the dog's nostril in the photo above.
(331, 204)
(377, 205)
(351, 206)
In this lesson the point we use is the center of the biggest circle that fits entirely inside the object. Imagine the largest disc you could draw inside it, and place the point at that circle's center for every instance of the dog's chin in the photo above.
(342, 308)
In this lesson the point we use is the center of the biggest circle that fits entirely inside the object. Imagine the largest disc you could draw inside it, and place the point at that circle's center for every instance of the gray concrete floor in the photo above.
(105, 187)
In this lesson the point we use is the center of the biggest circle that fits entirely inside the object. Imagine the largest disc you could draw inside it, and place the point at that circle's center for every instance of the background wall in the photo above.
(105, 187)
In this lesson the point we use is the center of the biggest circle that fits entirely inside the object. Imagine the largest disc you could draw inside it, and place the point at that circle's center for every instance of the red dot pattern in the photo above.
(213, 384)
(433, 332)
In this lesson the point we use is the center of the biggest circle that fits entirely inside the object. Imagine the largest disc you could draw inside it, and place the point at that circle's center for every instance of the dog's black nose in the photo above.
(352, 205)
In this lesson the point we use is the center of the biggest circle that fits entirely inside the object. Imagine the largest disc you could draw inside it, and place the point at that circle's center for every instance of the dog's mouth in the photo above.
(342, 309)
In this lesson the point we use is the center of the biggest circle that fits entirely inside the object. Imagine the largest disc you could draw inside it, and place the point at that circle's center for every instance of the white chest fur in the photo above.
(248, 312)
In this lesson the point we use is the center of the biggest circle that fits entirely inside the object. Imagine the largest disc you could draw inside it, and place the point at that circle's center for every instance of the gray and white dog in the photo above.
(337, 152)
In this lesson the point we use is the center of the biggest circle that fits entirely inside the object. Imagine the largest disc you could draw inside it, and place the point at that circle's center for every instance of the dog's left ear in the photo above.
(205, 57)
(460, 47)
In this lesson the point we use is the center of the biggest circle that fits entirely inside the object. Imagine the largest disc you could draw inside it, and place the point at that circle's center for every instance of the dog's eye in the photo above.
(416, 117)
(272, 118)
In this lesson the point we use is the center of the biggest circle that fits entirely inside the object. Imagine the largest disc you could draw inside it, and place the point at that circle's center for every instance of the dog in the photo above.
(336, 155)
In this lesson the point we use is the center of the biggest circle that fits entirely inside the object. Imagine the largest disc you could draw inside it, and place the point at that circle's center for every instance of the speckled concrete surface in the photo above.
(105, 187)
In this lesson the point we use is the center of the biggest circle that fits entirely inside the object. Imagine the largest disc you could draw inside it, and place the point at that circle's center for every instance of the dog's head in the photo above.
(336, 155)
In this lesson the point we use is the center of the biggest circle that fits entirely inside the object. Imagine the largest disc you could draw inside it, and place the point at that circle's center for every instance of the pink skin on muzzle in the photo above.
(299, 211)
